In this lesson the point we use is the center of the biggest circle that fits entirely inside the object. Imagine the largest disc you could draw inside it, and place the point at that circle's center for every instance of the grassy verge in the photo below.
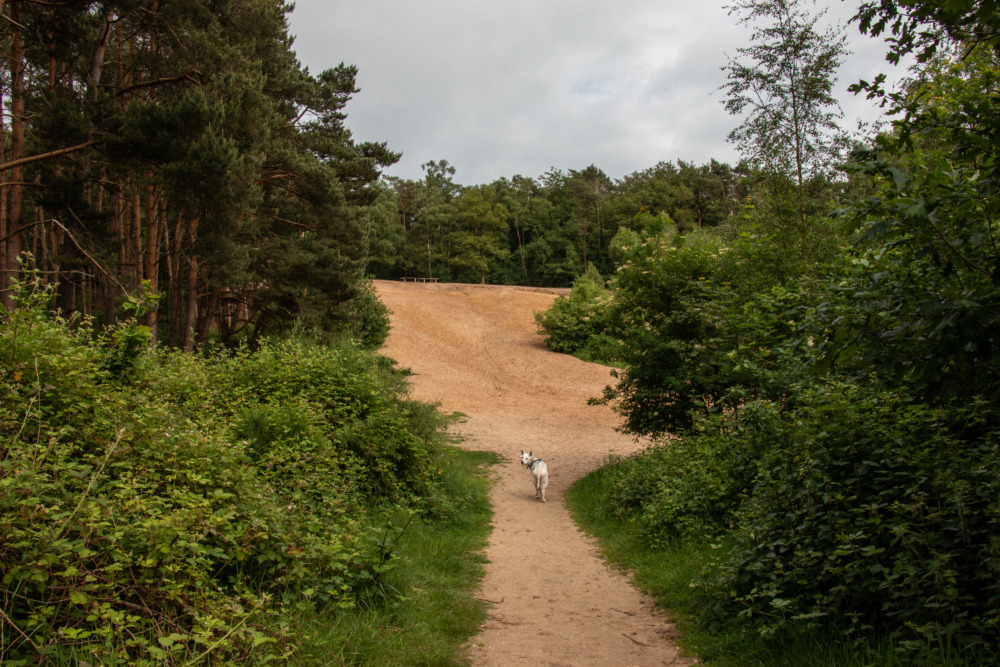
(427, 611)
(667, 575)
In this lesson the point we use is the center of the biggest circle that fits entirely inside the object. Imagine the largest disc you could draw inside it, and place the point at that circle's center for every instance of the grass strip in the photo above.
(429, 611)
(670, 576)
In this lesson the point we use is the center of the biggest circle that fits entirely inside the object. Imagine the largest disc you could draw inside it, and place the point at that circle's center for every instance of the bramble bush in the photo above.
(692, 487)
(871, 510)
(852, 510)
(180, 511)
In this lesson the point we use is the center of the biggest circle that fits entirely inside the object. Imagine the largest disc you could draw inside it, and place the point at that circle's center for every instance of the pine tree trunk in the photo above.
(155, 218)
(192, 285)
(137, 246)
(97, 58)
(207, 316)
(118, 232)
(5, 295)
(192, 304)
(520, 249)
(175, 287)
(14, 190)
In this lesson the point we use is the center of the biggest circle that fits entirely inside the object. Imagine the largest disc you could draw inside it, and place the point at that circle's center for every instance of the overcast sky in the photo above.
(511, 87)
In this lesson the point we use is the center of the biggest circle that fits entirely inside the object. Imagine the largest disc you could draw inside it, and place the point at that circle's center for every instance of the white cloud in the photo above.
(517, 87)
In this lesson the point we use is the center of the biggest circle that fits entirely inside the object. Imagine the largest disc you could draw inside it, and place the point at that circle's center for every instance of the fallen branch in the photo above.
(633, 640)
(490, 601)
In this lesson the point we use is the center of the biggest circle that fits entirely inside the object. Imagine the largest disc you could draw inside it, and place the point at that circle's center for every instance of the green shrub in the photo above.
(357, 407)
(577, 323)
(367, 318)
(175, 508)
(872, 511)
(692, 488)
(847, 509)
(676, 324)
(703, 330)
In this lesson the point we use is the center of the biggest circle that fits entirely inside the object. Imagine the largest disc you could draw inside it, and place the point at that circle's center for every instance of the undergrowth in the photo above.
(674, 571)
(426, 613)
(171, 509)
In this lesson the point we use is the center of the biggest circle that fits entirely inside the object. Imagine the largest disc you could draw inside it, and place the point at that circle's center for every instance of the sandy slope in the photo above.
(475, 350)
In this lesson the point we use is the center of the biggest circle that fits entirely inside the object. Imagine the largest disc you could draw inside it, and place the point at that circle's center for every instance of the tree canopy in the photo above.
(180, 146)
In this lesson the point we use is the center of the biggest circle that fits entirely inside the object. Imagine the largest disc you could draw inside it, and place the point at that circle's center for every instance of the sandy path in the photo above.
(474, 349)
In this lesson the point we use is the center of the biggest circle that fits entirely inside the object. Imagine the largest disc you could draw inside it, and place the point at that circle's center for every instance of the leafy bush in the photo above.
(693, 487)
(367, 317)
(577, 323)
(927, 295)
(681, 320)
(844, 502)
(359, 417)
(184, 508)
(871, 510)
(850, 509)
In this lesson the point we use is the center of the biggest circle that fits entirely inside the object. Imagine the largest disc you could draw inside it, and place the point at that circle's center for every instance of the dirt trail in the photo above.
(474, 349)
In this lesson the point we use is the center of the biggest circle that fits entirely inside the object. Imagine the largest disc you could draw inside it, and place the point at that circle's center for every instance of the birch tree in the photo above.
(782, 87)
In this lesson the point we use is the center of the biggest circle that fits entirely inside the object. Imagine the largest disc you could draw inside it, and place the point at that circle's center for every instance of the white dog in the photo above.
(539, 473)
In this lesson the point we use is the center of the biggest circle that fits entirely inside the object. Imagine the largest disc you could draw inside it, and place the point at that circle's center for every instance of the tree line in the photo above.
(177, 154)
(541, 231)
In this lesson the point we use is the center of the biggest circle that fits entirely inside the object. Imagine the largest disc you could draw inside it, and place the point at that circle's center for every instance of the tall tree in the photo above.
(480, 241)
(434, 217)
(590, 189)
(529, 214)
(782, 87)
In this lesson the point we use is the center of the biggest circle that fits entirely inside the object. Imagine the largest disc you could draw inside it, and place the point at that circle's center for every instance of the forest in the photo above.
(188, 233)
(544, 231)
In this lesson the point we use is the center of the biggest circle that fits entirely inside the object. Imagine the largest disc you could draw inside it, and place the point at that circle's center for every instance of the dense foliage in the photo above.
(577, 322)
(165, 508)
(544, 231)
(829, 418)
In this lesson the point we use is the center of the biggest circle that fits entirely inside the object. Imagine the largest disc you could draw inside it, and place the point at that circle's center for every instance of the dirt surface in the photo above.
(475, 350)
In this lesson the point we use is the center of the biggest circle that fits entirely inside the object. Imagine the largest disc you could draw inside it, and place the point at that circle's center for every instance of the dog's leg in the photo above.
(543, 482)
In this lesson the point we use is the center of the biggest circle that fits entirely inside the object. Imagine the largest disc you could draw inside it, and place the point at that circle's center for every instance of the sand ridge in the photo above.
(475, 349)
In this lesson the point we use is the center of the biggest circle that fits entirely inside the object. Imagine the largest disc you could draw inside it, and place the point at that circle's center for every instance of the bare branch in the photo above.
(51, 154)
(187, 76)
(21, 229)
(79, 247)
(292, 222)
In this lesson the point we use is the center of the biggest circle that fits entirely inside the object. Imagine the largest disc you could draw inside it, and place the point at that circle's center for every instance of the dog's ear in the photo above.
(531, 453)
